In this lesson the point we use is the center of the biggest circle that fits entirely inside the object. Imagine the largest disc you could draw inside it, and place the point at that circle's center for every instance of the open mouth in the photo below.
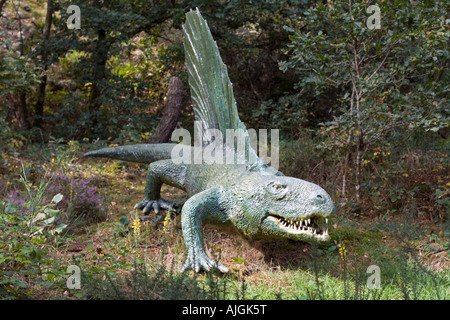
(313, 226)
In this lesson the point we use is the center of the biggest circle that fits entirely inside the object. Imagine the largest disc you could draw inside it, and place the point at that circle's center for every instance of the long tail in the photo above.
(141, 153)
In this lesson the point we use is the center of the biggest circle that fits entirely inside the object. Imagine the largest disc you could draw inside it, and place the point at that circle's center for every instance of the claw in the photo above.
(147, 208)
(203, 263)
(155, 207)
(147, 205)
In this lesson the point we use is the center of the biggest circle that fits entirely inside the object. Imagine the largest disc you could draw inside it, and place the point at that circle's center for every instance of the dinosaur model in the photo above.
(245, 196)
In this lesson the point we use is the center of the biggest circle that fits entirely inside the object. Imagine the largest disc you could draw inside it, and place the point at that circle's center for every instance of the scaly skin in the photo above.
(246, 198)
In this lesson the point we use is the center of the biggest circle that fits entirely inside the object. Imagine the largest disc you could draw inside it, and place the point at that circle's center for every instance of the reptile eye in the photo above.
(277, 187)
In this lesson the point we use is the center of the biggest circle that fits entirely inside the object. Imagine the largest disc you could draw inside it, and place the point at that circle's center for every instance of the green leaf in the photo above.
(49, 220)
(39, 216)
(57, 198)
(239, 260)
(51, 212)
(59, 228)
(124, 220)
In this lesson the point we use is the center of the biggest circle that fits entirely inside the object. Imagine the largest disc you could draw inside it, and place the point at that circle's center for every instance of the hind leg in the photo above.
(159, 172)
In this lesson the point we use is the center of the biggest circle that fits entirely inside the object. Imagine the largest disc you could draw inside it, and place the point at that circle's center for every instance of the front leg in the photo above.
(199, 209)
(159, 172)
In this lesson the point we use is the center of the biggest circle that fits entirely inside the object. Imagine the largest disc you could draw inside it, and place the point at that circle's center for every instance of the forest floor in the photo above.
(412, 256)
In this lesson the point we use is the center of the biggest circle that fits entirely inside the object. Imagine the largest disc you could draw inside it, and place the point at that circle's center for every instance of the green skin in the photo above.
(250, 201)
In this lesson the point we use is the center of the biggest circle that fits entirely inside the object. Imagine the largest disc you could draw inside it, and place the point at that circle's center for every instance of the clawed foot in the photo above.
(146, 205)
(202, 262)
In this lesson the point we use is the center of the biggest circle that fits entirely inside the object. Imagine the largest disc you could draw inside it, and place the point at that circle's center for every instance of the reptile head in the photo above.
(280, 206)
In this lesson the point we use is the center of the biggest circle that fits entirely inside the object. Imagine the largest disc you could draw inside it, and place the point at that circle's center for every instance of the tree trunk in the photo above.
(39, 108)
(99, 72)
(347, 153)
(171, 112)
(23, 107)
(359, 134)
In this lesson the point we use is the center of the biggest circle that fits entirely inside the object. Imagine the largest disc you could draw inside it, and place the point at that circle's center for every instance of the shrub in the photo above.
(81, 202)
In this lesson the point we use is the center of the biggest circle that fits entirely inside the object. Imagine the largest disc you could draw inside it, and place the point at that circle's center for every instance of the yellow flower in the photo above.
(343, 252)
(136, 225)
(166, 222)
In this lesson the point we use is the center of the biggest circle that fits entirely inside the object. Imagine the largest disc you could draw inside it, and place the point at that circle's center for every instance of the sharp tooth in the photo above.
(309, 221)
(326, 220)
